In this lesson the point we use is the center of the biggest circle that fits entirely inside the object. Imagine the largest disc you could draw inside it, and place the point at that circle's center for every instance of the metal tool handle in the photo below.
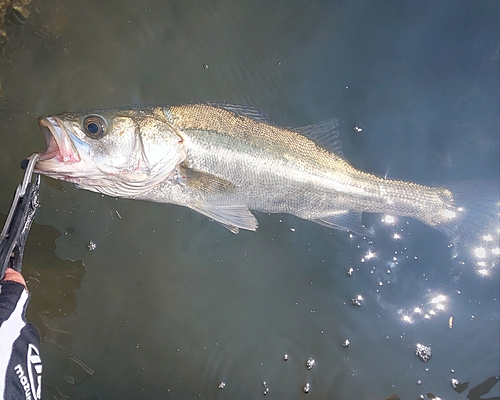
(19, 220)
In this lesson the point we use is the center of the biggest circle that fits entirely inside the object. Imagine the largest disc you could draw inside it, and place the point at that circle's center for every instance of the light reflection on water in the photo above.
(171, 304)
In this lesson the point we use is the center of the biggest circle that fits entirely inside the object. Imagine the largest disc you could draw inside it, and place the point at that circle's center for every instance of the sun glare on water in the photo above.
(434, 306)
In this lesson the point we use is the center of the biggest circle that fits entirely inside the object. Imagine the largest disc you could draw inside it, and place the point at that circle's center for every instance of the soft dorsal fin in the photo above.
(324, 134)
(345, 221)
(247, 111)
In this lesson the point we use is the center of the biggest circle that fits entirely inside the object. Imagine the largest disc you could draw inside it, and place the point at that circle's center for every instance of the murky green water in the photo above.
(172, 305)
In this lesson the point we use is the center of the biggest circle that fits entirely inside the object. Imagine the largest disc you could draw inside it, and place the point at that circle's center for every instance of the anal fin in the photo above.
(345, 221)
(233, 217)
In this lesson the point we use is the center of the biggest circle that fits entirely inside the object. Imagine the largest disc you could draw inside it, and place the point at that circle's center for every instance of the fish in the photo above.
(225, 161)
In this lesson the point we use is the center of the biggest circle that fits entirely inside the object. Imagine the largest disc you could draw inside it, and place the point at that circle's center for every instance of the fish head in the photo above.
(121, 152)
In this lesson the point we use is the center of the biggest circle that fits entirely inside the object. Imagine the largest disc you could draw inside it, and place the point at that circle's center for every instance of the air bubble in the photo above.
(356, 301)
(310, 363)
(423, 352)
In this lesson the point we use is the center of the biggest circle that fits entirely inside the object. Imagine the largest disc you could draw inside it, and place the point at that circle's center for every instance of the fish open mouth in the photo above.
(60, 147)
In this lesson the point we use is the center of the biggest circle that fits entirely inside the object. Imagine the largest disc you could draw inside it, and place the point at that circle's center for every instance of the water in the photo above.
(171, 305)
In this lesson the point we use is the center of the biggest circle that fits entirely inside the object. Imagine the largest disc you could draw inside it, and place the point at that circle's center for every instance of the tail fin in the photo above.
(477, 207)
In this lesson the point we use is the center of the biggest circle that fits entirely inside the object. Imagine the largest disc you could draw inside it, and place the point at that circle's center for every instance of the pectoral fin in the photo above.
(345, 221)
(232, 217)
(209, 186)
(203, 182)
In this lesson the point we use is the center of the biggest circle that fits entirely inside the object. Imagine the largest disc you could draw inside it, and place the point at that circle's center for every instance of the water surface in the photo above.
(172, 305)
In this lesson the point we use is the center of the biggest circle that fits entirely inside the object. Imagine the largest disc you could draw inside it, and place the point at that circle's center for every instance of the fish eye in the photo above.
(94, 126)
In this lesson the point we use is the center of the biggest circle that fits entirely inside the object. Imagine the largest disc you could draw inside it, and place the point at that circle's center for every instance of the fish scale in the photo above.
(289, 168)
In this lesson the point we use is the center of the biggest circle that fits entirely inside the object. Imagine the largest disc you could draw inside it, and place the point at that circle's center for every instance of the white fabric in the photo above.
(9, 332)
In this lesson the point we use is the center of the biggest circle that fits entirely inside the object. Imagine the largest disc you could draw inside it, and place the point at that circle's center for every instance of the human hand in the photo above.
(13, 275)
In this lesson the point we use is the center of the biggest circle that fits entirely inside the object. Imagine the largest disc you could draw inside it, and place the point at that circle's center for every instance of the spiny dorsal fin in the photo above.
(247, 111)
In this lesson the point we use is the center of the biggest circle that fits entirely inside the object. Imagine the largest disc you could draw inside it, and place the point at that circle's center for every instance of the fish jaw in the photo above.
(63, 157)
(60, 146)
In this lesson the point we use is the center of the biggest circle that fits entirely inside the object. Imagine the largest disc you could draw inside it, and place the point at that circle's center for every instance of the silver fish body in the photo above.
(223, 161)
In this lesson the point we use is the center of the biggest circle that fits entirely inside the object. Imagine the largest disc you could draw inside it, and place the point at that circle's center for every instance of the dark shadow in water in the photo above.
(475, 393)
(478, 391)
